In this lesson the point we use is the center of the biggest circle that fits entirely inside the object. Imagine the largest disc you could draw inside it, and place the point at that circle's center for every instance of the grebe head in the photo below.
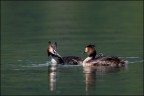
(90, 50)
(51, 50)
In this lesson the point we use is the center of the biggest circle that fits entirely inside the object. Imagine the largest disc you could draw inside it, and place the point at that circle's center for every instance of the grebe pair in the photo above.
(57, 59)
(92, 60)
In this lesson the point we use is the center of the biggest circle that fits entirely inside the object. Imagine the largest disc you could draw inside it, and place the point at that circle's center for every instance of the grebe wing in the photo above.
(103, 59)
(108, 60)
(72, 60)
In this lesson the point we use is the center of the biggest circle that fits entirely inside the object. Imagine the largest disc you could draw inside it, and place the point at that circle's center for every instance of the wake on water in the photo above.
(131, 60)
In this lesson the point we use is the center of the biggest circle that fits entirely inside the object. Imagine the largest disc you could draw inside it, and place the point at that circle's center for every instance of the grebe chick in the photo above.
(99, 60)
(57, 59)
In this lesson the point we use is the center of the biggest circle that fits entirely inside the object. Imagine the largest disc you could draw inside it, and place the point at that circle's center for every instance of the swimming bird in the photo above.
(99, 60)
(58, 59)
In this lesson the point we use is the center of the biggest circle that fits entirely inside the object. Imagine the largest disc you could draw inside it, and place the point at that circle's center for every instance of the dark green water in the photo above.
(115, 27)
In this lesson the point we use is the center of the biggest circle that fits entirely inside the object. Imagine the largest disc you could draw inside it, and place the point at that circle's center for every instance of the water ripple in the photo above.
(140, 61)
(130, 59)
(38, 65)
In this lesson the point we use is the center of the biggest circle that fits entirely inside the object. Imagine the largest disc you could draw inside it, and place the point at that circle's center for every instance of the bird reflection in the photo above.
(52, 77)
(91, 72)
(90, 76)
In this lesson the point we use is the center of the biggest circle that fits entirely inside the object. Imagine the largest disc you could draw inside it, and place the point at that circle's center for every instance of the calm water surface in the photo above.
(116, 28)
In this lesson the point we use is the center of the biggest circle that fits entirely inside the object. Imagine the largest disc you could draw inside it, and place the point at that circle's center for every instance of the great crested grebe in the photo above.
(57, 59)
(99, 60)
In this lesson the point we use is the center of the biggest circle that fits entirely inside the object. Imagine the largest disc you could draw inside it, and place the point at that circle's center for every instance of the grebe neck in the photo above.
(93, 55)
(56, 59)
(87, 59)
(90, 57)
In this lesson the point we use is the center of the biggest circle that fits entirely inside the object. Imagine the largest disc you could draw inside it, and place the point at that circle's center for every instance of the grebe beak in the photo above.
(56, 53)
